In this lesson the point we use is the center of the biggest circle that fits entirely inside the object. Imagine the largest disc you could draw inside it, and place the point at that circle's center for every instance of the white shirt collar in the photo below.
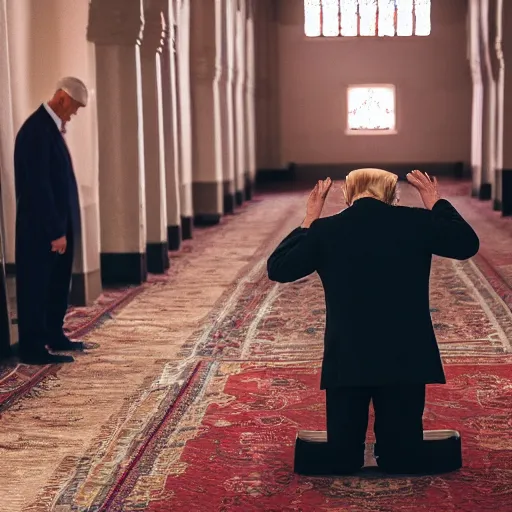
(54, 116)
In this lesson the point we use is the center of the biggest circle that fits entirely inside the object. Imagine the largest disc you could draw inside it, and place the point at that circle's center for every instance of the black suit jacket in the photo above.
(46, 189)
(374, 262)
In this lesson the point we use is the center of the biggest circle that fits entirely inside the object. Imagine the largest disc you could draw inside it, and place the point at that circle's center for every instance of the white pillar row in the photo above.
(206, 119)
(240, 144)
(250, 99)
(226, 67)
(116, 29)
(154, 138)
(500, 103)
(171, 133)
(489, 109)
(7, 193)
(46, 42)
(8, 197)
(506, 44)
(231, 94)
(185, 116)
(478, 96)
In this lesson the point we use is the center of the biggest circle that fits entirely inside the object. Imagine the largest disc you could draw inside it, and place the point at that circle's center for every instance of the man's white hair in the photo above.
(75, 88)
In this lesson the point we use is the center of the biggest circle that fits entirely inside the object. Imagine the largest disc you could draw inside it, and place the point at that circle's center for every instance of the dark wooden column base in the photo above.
(123, 268)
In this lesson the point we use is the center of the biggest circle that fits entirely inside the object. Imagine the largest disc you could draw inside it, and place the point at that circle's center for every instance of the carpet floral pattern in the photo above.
(17, 379)
(240, 456)
(200, 382)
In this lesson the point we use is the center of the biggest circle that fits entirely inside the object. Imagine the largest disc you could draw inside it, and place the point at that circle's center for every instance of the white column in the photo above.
(240, 101)
(225, 64)
(171, 131)
(500, 105)
(506, 178)
(489, 119)
(116, 29)
(232, 74)
(478, 97)
(206, 121)
(8, 199)
(185, 116)
(154, 138)
(40, 54)
(250, 103)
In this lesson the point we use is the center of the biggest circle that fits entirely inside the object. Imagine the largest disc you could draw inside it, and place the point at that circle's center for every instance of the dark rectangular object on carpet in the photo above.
(158, 257)
(206, 219)
(174, 237)
(186, 228)
(312, 453)
(506, 192)
(229, 204)
(123, 268)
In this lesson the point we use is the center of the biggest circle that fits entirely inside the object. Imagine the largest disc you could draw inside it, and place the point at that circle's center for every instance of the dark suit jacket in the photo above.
(374, 262)
(46, 188)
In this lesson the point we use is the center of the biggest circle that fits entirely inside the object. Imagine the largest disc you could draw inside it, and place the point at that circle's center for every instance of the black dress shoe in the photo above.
(66, 345)
(45, 358)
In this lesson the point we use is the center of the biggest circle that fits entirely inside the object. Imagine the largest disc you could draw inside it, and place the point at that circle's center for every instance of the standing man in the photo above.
(47, 222)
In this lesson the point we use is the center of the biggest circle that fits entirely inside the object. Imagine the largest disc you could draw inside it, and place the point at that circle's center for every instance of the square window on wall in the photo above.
(371, 110)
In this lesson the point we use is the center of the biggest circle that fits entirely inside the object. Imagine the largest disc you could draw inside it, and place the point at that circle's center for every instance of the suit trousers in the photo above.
(43, 280)
(398, 426)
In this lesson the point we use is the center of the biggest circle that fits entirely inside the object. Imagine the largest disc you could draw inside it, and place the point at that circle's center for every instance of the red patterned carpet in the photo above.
(221, 437)
(226, 444)
(240, 459)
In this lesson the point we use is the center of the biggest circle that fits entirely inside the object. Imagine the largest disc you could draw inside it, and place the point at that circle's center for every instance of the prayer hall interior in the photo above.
(207, 124)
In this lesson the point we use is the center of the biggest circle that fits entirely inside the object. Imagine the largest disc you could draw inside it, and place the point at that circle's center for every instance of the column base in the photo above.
(239, 197)
(186, 228)
(249, 189)
(207, 219)
(123, 268)
(506, 192)
(10, 269)
(158, 257)
(485, 192)
(174, 237)
(474, 193)
(229, 197)
(5, 320)
(229, 204)
(497, 206)
(208, 202)
(85, 288)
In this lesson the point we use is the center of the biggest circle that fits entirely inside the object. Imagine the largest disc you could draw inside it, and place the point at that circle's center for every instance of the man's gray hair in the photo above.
(75, 88)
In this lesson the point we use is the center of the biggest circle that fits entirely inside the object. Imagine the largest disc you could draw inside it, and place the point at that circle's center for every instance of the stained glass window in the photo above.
(367, 17)
(386, 20)
(331, 18)
(422, 17)
(349, 18)
(312, 18)
(404, 18)
(371, 108)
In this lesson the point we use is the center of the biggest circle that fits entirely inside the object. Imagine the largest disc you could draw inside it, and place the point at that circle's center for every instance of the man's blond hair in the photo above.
(375, 183)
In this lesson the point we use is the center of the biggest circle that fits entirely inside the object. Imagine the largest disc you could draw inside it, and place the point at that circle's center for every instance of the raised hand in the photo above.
(316, 201)
(426, 187)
